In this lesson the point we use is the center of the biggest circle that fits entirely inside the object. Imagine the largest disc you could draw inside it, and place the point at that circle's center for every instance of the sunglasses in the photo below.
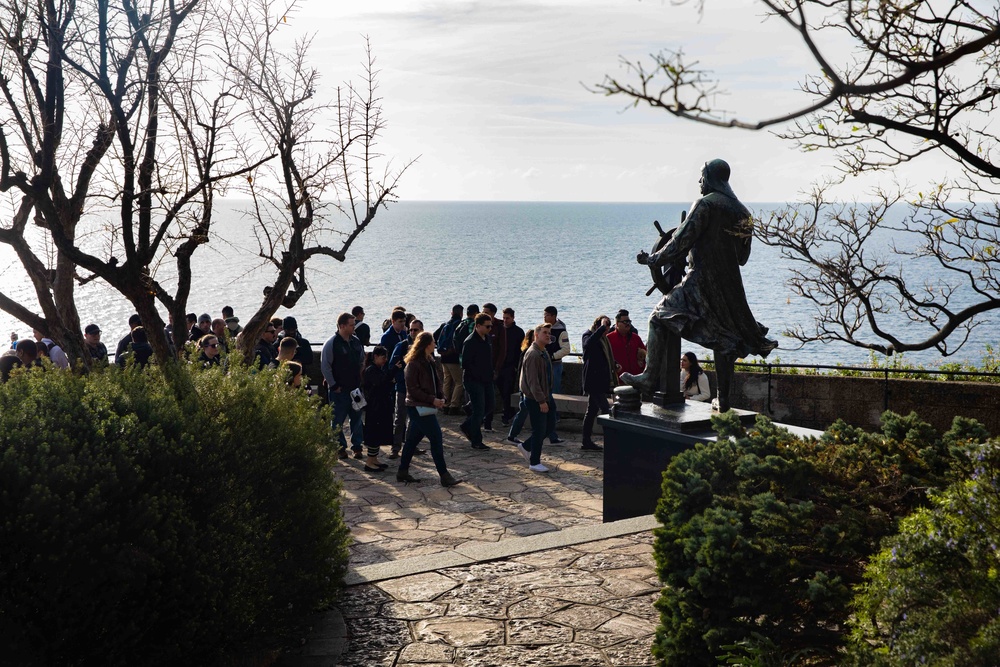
(414, 330)
(625, 321)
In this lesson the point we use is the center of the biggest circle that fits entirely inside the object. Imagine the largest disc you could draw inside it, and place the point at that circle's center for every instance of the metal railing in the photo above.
(884, 372)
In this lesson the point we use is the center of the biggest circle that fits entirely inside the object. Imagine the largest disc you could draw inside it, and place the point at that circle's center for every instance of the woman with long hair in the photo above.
(694, 382)
(424, 397)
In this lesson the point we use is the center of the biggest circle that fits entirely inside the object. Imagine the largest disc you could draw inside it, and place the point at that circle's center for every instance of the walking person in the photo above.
(424, 397)
(341, 362)
(393, 336)
(397, 366)
(507, 374)
(521, 416)
(558, 347)
(378, 384)
(536, 385)
(477, 367)
(454, 390)
(599, 376)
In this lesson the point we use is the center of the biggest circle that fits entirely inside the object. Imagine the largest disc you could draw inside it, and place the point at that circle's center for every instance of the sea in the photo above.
(428, 256)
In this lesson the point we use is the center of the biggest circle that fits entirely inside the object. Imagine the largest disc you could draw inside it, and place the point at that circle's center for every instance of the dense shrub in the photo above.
(764, 534)
(932, 595)
(144, 522)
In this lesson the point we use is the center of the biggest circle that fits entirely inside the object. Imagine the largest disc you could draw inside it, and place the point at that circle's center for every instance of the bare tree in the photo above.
(123, 122)
(325, 187)
(915, 78)
(115, 151)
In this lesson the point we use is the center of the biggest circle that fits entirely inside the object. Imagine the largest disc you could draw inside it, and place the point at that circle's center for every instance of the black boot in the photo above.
(448, 480)
(403, 475)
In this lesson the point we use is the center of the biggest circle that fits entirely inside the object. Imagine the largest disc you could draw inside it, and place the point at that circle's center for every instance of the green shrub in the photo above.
(932, 595)
(764, 534)
(152, 522)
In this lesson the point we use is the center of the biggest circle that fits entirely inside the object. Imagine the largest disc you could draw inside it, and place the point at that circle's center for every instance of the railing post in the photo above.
(770, 411)
(885, 391)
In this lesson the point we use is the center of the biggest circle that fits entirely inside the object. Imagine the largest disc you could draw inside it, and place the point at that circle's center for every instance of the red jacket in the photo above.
(627, 352)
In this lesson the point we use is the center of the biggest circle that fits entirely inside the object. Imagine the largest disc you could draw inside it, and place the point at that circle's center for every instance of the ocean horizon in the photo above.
(430, 255)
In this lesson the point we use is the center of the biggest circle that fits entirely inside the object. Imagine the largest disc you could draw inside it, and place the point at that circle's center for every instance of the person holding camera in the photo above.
(341, 362)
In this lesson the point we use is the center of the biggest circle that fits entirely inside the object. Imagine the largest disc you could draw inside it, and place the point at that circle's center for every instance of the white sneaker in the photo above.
(538, 467)
(524, 452)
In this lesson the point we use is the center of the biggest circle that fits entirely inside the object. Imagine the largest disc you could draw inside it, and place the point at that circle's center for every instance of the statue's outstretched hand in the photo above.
(642, 257)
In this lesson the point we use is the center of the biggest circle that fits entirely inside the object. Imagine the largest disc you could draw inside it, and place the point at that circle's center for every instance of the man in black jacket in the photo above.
(507, 377)
(477, 376)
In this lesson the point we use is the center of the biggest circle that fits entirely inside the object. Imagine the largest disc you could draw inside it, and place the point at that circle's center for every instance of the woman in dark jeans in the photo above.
(424, 394)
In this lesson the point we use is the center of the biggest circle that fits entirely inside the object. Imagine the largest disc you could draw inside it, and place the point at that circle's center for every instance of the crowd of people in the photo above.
(390, 396)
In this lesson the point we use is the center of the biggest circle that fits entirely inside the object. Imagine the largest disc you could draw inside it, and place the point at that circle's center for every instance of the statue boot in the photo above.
(725, 365)
(648, 381)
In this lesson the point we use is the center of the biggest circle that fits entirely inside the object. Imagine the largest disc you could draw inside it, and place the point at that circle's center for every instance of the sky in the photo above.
(491, 97)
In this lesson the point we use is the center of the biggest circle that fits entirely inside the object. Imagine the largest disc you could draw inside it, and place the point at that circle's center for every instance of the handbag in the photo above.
(424, 410)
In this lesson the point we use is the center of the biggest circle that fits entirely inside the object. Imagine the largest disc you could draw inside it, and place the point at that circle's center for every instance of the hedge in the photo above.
(147, 522)
(764, 534)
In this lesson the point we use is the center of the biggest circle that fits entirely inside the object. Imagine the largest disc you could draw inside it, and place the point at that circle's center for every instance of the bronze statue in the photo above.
(709, 306)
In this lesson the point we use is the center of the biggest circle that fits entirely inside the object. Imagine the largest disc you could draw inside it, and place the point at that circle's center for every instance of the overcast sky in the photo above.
(490, 95)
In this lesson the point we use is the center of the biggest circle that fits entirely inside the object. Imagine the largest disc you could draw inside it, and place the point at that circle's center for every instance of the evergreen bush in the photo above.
(147, 522)
(932, 594)
(764, 534)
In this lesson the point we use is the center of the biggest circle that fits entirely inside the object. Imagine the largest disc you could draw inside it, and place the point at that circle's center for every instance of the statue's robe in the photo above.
(709, 306)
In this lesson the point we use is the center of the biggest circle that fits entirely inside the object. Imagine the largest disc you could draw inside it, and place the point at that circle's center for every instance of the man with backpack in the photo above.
(445, 338)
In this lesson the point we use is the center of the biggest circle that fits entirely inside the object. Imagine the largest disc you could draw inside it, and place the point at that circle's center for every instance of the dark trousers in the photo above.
(419, 427)
(342, 410)
(519, 418)
(541, 425)
(597, 404)
(480, 401)
(399, 424)
(507, 384)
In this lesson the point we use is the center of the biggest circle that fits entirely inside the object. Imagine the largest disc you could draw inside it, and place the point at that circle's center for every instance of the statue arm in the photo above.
(683, 239)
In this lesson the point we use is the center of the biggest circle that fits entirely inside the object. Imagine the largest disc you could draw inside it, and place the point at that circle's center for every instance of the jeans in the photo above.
(480, 400)
(518, 422)
(541, 424)
(419, 427)
(341, 401)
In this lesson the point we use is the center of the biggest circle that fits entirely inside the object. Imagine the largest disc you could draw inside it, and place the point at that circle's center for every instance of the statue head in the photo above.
(715, 178)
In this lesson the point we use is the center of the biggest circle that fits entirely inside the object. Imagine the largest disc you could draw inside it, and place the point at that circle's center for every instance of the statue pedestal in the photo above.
(639, 441)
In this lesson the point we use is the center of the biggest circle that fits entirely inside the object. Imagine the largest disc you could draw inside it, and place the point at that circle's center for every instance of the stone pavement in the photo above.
(510, 567)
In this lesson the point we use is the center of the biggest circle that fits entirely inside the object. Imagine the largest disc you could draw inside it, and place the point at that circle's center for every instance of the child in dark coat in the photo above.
(379, 390)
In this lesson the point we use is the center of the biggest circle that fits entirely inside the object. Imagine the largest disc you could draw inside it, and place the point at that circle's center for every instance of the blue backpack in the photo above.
(446, 340)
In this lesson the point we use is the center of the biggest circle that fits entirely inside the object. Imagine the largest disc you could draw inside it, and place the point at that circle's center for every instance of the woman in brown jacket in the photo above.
(424, 397)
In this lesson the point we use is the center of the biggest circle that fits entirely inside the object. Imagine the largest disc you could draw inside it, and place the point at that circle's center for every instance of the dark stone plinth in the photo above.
(688, 417)
(638, 446)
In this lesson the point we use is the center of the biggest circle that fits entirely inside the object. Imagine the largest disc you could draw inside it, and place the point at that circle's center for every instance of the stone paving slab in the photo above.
(554, 608)
(499, 499)
(509, 568)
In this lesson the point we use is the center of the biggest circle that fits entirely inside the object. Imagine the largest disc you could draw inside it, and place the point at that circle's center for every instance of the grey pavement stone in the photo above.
(508, 568)
(418, 587)
(460, 631)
